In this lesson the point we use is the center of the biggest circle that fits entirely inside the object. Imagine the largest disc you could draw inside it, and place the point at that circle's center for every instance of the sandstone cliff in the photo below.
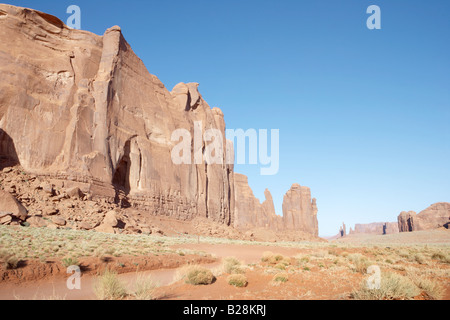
(83, 109)
(436, 216)
(249, 212)
(299, 211)
(375, 228)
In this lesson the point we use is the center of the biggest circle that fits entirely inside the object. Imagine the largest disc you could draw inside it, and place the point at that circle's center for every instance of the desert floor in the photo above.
(413, 266)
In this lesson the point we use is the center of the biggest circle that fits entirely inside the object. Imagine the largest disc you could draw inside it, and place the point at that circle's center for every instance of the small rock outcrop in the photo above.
(10, 208)
(435, 216)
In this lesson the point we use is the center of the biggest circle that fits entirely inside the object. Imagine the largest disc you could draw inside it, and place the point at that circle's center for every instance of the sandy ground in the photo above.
(325, 277)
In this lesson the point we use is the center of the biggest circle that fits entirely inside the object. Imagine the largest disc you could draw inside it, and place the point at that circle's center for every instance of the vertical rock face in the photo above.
(436, 216)
(247, 208)
(343, 230)
(299, 211)
(84, 107)
(406, 221)
(390, 228)
(249, 213)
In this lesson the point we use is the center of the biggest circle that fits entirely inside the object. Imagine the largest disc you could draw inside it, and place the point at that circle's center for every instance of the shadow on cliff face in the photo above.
(121, 179)
(8, 154)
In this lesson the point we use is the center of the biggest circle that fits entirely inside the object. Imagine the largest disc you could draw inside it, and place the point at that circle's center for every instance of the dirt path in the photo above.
(57, 288)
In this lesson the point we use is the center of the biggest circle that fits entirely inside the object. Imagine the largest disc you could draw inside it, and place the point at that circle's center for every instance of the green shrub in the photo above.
(281, 277)
(197, 275)
(286, 261)
(237, 280)
(302, 259)
(278, 257)
(232, 266)
(70, 261)
(271, 258)
(280, 266)
(267, 256)
(9, 260)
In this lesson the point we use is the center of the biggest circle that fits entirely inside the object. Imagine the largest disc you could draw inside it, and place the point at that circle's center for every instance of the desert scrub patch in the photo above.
(360, 263)
(196, 275)
(439, 256)
(404, 254)
(144, 288)
(108, 286)
(301, 259)
(286, 261)
(431, 288)
(9, 260)
(333, 252)
(280, 266)
(281, 278)
(319, 254)
(392, 287)
(33, 242)
(266, 256)
(232, 265)
(419, 258)
(237, 280)
(422, 279)
(272, 258)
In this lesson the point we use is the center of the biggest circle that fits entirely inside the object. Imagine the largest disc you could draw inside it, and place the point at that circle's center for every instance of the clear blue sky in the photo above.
(364, 116)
